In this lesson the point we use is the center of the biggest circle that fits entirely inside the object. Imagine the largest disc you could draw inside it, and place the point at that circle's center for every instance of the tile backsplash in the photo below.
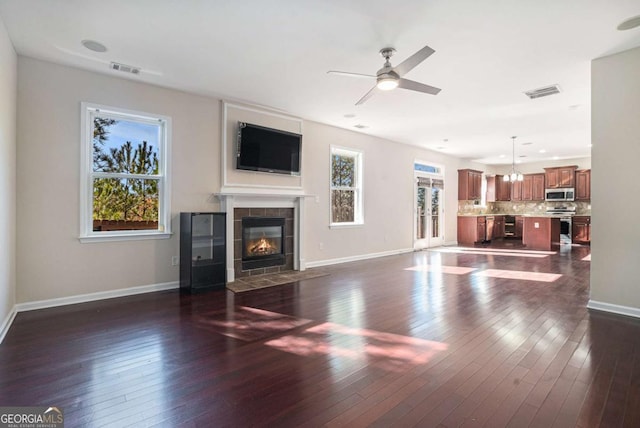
(520, 207)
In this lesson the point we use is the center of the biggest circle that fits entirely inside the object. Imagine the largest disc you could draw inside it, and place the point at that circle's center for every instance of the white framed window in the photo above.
(346, 187)
(124, 175)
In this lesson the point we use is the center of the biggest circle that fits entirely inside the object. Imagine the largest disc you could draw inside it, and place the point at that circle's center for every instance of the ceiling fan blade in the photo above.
(416, 86)
(415, 59)
(367, 96)
(346, 73)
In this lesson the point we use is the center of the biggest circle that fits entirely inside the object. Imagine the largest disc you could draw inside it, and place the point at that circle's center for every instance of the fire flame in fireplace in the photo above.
(262, 247)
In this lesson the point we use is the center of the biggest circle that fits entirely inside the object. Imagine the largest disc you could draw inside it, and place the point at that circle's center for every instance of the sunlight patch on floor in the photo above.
(456, 270)
(246, 323)
(388, 351)
(496, 252)
(587, 258)
(518, 274)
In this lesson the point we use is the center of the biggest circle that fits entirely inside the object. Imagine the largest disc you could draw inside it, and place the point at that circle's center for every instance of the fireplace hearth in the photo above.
(263, 242)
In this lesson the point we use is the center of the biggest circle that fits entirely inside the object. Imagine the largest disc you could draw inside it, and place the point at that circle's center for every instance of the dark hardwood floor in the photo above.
(477, 337)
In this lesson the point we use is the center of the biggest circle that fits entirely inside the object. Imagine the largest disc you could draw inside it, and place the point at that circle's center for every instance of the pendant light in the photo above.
(515, 175)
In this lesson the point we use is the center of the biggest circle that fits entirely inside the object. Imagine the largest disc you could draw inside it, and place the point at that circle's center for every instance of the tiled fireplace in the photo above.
(262, 240)
(273, 246)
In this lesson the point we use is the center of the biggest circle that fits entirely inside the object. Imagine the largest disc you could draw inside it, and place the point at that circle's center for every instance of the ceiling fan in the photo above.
(389, 77)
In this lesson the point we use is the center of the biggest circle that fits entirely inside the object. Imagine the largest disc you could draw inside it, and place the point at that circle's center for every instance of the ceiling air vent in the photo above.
(543, 92)
(125, 68)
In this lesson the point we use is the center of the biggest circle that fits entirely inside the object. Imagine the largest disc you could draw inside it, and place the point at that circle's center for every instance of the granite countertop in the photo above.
(525, 215)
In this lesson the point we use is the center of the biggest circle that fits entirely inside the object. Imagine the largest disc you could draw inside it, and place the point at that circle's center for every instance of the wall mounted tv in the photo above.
(268, 150)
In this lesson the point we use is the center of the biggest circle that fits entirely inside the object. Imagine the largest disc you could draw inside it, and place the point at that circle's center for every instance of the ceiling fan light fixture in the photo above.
(387, 83)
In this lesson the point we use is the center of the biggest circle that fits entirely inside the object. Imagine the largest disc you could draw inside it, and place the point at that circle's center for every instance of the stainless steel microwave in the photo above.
(559, 194)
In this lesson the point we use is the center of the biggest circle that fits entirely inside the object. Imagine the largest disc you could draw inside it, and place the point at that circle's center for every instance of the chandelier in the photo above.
(515, 175)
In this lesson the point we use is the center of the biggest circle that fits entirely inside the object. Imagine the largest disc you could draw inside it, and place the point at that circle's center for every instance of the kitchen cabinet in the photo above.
(583, 185)
(498, 189)
(516, 190)
(560, 177)
(538, 186)
(532, 187)
(519, 227)
(581, 230)
(469, 184)
(498, 227)
(471, 229)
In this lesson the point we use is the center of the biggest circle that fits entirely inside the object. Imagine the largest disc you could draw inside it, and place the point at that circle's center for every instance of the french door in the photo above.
(429, 218)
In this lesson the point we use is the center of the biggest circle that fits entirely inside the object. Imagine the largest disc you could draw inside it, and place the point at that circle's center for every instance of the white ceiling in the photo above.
(276, 53)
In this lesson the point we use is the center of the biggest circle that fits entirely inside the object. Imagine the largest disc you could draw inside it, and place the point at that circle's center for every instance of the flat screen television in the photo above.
(268, 150)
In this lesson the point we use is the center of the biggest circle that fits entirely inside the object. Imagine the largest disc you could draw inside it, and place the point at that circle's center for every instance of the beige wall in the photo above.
(388, 194)
(615, 129)
(52, 263)
(8, 82)
(50, 260)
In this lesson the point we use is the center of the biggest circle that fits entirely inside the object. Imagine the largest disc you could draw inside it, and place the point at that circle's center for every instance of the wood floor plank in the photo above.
(374, 343)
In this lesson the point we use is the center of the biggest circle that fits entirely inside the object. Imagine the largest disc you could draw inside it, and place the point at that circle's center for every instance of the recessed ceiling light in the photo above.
(630, 23)
(349, 116)
(92, 45)
(527, 144)
(542, 151)
(503, 156)
(360, 126)
(522, 156)
(440, 148)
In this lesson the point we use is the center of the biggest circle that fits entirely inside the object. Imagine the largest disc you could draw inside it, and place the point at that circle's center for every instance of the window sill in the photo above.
(111, 237)
(345, 225)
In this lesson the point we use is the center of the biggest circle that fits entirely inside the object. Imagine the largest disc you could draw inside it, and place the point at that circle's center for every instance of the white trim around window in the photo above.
(87, 174)
(357, 188)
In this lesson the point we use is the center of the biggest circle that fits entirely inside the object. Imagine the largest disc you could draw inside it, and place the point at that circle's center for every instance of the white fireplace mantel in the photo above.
(231, 198)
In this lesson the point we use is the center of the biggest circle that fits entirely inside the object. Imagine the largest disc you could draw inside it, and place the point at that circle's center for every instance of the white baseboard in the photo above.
(451, 243)
(356, 258)
(616, 309)
(90, 297)
(4, 328)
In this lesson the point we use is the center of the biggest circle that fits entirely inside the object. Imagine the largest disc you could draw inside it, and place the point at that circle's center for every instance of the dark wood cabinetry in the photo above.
(498, 189)
(498, 227)
(469, 184)
(581, 233)
(202, 251)
(532, 188)
(471, 229)
(560, 177)
(519, 226)
(583, 185)
(538, 186)
(476, 229)
(516, 190)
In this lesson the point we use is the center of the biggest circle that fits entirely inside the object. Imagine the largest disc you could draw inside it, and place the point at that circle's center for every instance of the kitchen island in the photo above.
(541, 233)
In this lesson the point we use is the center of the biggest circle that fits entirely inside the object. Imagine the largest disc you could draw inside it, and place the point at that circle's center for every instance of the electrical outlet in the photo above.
(321, 246)
(175, 261)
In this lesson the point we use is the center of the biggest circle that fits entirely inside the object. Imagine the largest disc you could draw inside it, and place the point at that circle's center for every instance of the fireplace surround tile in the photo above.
(288, 239)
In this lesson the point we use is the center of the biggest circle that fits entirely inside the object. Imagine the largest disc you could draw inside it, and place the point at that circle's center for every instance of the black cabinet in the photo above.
(202, 251)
